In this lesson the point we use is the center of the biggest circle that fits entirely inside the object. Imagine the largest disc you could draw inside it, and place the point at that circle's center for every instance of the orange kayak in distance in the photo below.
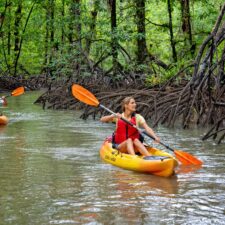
(3, 120)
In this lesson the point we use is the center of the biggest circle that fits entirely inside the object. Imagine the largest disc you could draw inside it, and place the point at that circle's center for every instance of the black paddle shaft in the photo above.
(167, 146)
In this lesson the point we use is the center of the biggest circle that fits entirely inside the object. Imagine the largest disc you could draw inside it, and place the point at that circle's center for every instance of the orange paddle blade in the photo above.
(84, 95)
(186, 158)
(18, 91)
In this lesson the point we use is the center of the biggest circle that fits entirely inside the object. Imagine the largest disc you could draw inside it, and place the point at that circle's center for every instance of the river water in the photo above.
(51, 173)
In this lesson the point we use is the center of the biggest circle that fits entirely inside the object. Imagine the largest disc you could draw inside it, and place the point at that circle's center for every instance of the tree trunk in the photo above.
(18, 16)
(47, 31)
(186, 23)
(92, 32)
(52, 29)
(52, 12)
(75, 24)
(21, 38)
(63, 18)
(9, 33)
(142, 53)
(172, 42)
(141, 33)
(2, 16)
(114, 41)
(78, 23)
(2, 19)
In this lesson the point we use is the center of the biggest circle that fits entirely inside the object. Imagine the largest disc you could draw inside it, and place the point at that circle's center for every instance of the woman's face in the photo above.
(131, 106)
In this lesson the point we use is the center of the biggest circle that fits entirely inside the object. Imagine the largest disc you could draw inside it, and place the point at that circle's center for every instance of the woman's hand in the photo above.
(118, 115)
(157, 139)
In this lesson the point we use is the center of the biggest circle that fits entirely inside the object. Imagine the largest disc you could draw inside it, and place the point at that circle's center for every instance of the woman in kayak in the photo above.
(127, 139)
(3, 101)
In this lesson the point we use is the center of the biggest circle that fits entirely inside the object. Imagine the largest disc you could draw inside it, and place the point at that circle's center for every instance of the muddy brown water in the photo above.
(51, 173)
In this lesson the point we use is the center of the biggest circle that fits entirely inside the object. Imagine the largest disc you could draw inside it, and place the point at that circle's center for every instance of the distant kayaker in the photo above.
(3, 101)
(127, 139)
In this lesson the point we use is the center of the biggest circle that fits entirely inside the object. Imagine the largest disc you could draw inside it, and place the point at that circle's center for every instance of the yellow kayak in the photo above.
(3, 120)
(160, 163)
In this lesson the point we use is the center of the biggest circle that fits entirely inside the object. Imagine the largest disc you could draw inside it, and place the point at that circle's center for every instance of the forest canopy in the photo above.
(116, 36)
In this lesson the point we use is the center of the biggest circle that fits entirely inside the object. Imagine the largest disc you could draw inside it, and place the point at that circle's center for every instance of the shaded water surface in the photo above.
(51, 173)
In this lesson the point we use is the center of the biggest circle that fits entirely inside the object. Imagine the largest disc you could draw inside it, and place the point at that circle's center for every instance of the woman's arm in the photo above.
(150, 132)
(109, 118)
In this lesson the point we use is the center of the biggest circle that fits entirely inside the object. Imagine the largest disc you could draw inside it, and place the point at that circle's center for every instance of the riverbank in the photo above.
(171, 103)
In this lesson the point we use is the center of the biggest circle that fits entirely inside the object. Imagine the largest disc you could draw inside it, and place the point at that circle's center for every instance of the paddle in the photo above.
(87, 97)
(16, 92)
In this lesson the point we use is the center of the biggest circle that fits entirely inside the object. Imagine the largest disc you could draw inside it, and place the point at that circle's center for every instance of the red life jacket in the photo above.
(125, 131)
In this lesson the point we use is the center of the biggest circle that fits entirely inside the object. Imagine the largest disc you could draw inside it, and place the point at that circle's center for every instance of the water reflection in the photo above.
(144, 184)
(125, 196)
(2, 128)
(182, 169)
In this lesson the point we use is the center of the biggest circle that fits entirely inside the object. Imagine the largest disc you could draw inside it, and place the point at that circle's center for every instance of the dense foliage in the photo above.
(62, 35)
